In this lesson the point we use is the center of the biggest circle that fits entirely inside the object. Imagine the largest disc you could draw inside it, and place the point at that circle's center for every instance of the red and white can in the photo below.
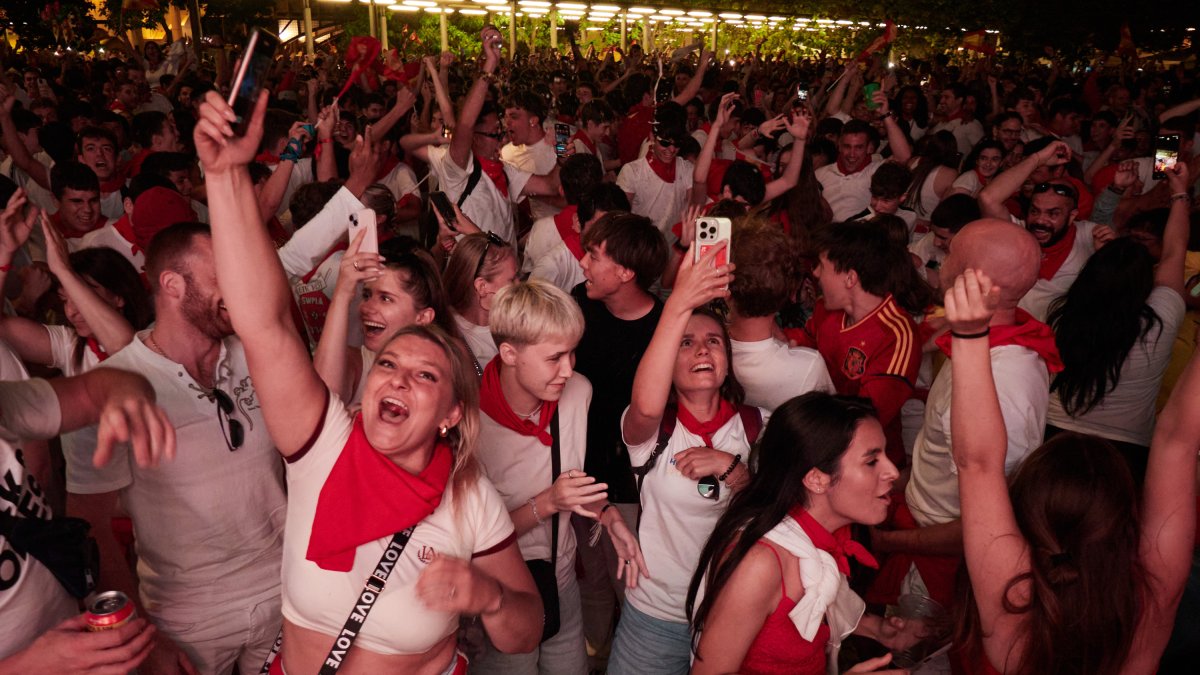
(108, 611)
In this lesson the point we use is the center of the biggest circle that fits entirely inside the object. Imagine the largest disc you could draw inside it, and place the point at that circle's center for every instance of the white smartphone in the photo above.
(710, 232)
(360, 220)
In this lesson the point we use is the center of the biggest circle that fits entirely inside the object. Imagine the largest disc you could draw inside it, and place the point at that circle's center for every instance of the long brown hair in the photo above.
(1076, 505)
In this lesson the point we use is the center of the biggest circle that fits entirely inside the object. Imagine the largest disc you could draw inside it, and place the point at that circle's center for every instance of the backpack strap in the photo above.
(751, 421)
(472, 181)
(665, 428)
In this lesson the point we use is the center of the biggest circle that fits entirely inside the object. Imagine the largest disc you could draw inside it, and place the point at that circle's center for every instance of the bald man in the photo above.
(926, 544)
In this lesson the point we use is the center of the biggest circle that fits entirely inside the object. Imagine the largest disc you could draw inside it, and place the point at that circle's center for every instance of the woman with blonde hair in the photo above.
(481, 265)
(392, 532)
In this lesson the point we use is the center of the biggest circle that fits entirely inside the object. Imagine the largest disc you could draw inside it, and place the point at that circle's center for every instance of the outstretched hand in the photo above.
(971, 302)
(699, 283)
(15, 225)
(221, 150)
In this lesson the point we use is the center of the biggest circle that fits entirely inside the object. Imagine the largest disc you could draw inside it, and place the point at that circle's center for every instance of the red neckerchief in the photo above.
(97, 348)
(494, 169)
(1055, 255)
(113, 184)
(1027, 332)
(664, 171)
(124, 227)
(492, 402)
(135, 163)
(839, 544)
(389, 163)
(367, 497)
(565, 222)
(705, 430)
(956, 116)
(587, 142)
(267, 157)
(983, 180)
(706, 128)
(847, 172)
(56, 221)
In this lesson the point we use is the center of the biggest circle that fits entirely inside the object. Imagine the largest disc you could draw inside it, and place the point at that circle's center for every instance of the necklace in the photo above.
(153, 345)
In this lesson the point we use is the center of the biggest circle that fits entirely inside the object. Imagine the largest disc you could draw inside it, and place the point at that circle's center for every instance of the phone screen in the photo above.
(251, 71)
(802, 94)
(562, 135)
(442, 203)
(1166, 153)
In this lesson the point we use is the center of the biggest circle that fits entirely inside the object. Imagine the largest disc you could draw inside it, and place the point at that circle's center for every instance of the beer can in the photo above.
(108, 611)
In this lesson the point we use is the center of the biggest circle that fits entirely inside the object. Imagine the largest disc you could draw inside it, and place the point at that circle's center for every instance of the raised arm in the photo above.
(1170, 272)
(695, 285)
(251, 279)
(798, 127)
(1006, 183)
(405, 98)
(996, 551)
(334, 361)
(897, 140)
(110, 327)
(693, 86)
(13, 145)
(833, 104)
(28, 338)
(705, 158)
(460, 145)
(1186, 108)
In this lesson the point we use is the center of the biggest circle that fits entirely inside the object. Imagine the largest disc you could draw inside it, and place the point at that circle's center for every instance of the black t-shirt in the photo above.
(608, 355)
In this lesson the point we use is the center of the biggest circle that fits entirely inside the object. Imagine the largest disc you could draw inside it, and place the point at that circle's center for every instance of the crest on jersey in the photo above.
(855, 364)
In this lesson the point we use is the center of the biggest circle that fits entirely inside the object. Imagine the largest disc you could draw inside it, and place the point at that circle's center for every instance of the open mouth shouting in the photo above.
(392, 410)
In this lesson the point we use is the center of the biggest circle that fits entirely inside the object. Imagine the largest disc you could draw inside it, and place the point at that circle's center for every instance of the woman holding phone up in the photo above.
(390, 497)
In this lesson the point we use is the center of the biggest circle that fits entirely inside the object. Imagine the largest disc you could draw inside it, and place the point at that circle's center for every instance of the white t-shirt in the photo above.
(772, 373)
(32, 600)
(108, 237)
(1023, 385)
(661, 202)
(209, 524)
(310, 244)
(547, 257)
(1037, 301)
(519, 466)
(969, 182)
(77, 446)
(965, 134)
(401, 181)
(40, 196)
(400, 623)
(926, 249)
(112, 205)
(485, 206)
(542, 237)
(1127, 412)
(847, 194)
(479, 340)
(676, 520)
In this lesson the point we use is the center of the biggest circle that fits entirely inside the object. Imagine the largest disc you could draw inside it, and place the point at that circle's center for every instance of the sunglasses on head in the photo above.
(1060, 189)
(491, 239)
(234, 433)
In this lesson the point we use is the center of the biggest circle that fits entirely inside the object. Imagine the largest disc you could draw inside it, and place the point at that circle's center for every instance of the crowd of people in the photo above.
(520, 422)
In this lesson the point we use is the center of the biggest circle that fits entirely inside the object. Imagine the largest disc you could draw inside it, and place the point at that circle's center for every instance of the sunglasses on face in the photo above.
(491, 239)
(1060, 189)
(232, 429)
(665, 142)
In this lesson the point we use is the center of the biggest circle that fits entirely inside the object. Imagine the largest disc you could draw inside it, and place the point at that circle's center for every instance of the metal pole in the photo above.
(443, 30)
(512, 30)
(624, 32)
(383, 27)
(714, 36)
(371, 17)
(553, 30)
(309, 38)
(646, 37)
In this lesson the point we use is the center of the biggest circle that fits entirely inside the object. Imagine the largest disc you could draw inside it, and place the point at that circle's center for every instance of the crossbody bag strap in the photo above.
(555, 469)
(476, 174)
(366, 600)
(665, 429)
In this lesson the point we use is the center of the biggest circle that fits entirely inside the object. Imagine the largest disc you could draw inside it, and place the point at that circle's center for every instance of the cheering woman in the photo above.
(388, 496)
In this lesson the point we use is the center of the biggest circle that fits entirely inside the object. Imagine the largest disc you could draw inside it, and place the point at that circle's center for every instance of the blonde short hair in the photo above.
(533, 311)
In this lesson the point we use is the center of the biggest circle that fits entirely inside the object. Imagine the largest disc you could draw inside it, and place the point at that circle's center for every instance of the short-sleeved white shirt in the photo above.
(966, 134)
(849, 194)
(1037, 301)
(676, 520)
(661, 202)
(969, 181)
(209, 524)
(1127, 412)
(108, 237)
(401, 181)
(1023, 385)
(519, 466)
(772, 373)
(479, 340)
(485, 206)
(400, 623)
(77, 446)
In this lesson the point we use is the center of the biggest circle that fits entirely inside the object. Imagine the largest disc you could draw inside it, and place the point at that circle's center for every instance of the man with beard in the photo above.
(209, 525)
(1066, 243)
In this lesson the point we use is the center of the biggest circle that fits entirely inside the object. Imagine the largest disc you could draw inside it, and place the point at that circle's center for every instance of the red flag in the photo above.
(887, 38)
(976, 41)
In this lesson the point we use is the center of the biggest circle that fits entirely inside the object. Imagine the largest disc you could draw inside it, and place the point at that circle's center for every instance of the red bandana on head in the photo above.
(492, 402)
(367, 497)
(494, 169)
(705, 430)
(663, 170)
(1027, 332)
(839, 544)
(564, 221)
(1055, 255)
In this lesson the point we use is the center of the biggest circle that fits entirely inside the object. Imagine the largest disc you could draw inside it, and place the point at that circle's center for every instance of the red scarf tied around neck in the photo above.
(367, 497)
(705, 430)
(1055, 255)
(564, 222)
(839, 544)
(492, 402)
(663, 170)
(1027, 332)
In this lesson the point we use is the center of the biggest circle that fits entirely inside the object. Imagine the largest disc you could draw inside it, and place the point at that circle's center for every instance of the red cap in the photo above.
(157, 209)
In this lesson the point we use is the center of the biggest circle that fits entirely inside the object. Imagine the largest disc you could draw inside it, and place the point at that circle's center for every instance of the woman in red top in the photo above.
(819, 468)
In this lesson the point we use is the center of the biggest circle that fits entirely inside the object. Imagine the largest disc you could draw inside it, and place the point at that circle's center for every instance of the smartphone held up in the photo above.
(249, 76)
(1166, 154)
